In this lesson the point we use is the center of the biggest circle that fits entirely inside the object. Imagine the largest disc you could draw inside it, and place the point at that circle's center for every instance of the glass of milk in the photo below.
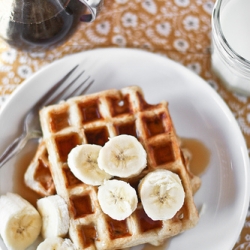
(231, 43)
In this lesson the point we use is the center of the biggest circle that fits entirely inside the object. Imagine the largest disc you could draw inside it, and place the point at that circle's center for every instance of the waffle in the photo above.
(93, 119)
(38, 176)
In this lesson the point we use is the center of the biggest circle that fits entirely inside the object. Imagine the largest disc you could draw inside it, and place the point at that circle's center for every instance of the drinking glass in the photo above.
(231, 43)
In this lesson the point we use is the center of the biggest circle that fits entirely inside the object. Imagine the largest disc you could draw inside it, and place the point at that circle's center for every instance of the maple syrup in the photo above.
(90, 111)
(117, 229)
(38, 25)
(19, 186)
(43, 175)
(126, 128)
(200, 155)
(59, 120)
(163, 153)
(71, 180)
(146, 223)
(89, 235)
(98, 136)
(65, 143)
(154, 125)
(81, 206)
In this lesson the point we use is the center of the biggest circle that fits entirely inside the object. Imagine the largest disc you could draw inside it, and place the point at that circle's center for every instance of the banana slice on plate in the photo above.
(55, 216)
(122, 156)
(20, 222)
(162, 194)
(82, 161)
(117, 199)
(56, 243)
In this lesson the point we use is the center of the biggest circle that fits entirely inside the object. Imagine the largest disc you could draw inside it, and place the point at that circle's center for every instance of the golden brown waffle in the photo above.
(38, 176)
(93, 119)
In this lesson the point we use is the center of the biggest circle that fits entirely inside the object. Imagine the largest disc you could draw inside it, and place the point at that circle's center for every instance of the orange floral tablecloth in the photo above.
(179, 29)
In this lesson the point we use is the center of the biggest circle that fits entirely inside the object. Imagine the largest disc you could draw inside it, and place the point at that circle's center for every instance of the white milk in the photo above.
(235, 24)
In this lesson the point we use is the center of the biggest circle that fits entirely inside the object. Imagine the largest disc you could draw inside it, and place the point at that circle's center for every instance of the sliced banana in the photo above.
(56, 243)
(122, 156)
(20, 222)
(162, 194)
(82, 161)
(117, 199)
(55, 216)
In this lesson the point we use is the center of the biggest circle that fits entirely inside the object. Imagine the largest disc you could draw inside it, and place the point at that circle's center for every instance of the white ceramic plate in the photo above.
(198, 113)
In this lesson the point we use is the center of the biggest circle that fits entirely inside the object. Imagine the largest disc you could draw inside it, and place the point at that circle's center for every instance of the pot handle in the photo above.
(94, 7)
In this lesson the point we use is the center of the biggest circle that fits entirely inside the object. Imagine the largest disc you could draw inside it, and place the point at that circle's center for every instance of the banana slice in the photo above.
(20, 222)
(122, 156)
(82, 161)
(117, 199)
(56, 243)
(55, 216)
(162, 194)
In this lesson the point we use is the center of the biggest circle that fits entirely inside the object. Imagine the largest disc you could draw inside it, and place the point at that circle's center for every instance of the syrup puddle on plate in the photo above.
(200, 155)
(21, 165)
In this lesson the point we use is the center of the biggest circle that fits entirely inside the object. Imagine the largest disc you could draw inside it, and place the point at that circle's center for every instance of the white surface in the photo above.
(197, 111)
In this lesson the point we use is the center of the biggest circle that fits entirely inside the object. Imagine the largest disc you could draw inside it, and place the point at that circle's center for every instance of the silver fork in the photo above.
(31, 127)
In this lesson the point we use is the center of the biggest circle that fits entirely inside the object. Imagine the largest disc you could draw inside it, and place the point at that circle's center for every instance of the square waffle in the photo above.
(93, 119)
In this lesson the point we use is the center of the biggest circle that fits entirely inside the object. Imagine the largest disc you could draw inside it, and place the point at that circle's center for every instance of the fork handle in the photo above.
(17, 145)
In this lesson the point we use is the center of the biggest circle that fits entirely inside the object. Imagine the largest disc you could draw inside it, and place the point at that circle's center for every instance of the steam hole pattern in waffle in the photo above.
(38, 176)
(93, 119)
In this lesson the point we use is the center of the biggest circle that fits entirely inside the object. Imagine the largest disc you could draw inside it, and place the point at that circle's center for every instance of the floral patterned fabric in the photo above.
(178, 29)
